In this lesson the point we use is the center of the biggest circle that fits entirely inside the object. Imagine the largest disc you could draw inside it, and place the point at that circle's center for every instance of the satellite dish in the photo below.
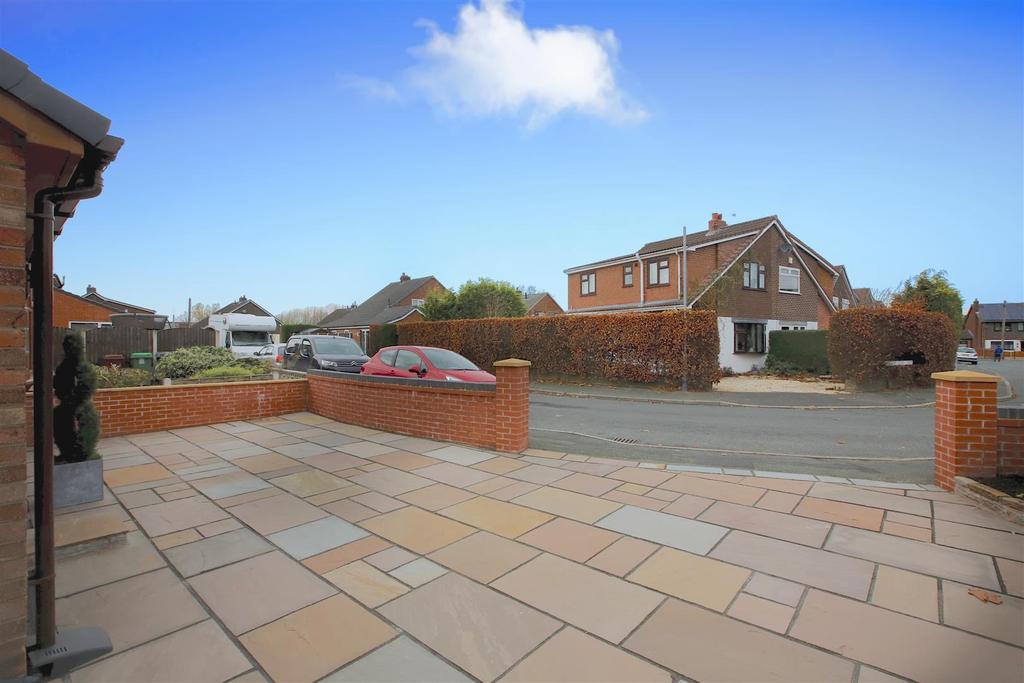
(785, 247)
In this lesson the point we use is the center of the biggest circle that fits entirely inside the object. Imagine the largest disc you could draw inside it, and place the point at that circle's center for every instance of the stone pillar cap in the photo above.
(512, 363)
(964, 376)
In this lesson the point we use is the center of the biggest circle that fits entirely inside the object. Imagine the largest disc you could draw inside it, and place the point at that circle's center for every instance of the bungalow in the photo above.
(542, 303)
(89, 310)
(242, 305)
(399, 301)
(757, 275)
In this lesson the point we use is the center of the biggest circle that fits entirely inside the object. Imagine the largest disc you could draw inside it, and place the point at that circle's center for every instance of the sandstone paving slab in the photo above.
(510, 491)
(231, 484)
(268, 462)
(334, 461)
(309, 482)
(767, 523)
(1003, 622)
(538, 474)
(418, 572)
(875, 499)
(687, 505)
(390, 558)
(497, 516)
(165, 518)
(367, 584)
(587, 484)
(622, 556)
(248, 497)
(378, 501)
(390, 481)
(342, 555)
(133, 610)
(848, 514)
(574, 656)
(636, 475)
(590, 467)
(720, 648)
(453, 475)
(991, 542)
(418, 530)
(778, 501)
(337, 494)
(484, 556)
(294, 448)
(775, 589)
(502, 632)
(368, 449)
(277, 513)
(107, 564)
(909, 647)
(403, 460)
(760, 612)
(659, 527)
(711, 488)
(500, 465)
(436, 496)
(460, 455)
(923, 558)
(137, 474)
(313, 538)
(787, 483)
(491, 485)
(845, 575)
(909, 520)
(177, 538)
(569, 539)
(1013, 576)
(600, 604)
(258, 590)
(635, 500)
(215, 528)
(201, 653)
(350, 511)
(906, 531)
(327, 438)
(137, 499)
(312, 642)
(693, 578)
(210, 553)
(416, 445)
(568, 504)
(400, 661)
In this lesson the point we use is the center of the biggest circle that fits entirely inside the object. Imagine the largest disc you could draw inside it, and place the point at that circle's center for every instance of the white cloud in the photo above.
(494, 64)
(372, 88)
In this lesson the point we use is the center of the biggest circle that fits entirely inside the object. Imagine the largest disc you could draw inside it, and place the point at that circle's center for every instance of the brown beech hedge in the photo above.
(861, 340)
(640, 347)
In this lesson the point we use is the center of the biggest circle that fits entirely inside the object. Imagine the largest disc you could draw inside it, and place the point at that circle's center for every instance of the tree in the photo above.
(933, 291)
(484, 298)
(309, 314)
(199, 311)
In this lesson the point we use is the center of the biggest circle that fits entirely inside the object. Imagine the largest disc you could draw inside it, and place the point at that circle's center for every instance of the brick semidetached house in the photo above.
(53, 151)
(757, 275)
(983, 327)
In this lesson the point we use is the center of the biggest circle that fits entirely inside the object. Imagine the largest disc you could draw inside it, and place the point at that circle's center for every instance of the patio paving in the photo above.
(301, 549)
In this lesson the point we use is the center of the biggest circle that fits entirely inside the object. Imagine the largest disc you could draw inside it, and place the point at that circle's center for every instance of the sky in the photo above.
(304, 153)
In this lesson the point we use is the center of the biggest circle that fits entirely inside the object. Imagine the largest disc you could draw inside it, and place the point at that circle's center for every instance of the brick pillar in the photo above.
(13, 372)
(512, 405)
(965, 425)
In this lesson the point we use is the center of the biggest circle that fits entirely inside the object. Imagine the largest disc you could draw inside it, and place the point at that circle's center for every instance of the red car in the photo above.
(424, 362)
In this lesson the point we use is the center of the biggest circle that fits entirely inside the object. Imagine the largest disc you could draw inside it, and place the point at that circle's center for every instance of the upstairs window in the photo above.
(627, 275)
(588, 284)
(846, 304)
(835, 302)
(789, 280)
(657, 273)
(753, 276)
(417, 302)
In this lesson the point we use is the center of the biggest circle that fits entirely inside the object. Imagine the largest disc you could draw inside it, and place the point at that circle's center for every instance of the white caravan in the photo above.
(243, 333)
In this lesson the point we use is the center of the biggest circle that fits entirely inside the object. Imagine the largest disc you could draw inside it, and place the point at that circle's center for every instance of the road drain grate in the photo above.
(624, 440)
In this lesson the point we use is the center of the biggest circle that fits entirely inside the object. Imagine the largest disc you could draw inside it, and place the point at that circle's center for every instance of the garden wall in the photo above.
(639, 347)
(1010, 441)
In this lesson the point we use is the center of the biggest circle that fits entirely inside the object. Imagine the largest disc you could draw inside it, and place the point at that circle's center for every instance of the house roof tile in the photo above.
(380, 308)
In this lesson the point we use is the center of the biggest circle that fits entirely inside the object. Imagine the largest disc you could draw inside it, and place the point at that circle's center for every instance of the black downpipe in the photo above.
(41, 263)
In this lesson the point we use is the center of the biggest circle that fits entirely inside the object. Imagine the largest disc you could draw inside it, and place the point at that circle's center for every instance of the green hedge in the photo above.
(288, 329)
(381, 336)
(800, 350)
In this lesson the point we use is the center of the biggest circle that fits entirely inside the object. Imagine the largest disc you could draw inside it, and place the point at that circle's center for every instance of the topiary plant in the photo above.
(76, 424)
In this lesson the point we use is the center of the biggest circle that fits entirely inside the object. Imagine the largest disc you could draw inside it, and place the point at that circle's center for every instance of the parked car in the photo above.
(424, 362)
(323, 352)
(272, 353)
(965, 354)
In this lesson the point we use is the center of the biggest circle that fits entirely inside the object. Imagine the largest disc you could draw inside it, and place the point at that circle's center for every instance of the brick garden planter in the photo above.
(75, 483)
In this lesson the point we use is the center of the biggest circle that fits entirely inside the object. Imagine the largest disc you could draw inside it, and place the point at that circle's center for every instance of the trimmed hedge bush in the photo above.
(639, 347)
(862, 340)
(288, 329)
(115, 377)
(189, 360)
(232, 371)
(802, 350)
(381, 336)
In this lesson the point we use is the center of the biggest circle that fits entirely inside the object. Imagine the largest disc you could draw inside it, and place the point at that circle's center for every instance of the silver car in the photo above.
(965, 354)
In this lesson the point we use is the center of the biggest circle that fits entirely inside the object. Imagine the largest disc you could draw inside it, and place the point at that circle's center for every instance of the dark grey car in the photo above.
(323, 352)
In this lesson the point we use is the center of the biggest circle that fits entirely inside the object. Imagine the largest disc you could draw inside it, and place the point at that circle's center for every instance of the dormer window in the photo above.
(627, 275)
(588, 284)
(657, 273)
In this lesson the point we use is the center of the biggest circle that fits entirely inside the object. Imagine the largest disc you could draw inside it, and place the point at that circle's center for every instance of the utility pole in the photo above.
(685, 298)
(1002, 329)
(189, 311)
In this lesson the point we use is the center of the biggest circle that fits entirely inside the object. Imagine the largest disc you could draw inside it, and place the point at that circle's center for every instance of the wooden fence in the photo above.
(103, 341)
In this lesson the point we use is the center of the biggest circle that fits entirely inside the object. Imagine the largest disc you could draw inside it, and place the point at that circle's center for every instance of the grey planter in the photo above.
(75, 483)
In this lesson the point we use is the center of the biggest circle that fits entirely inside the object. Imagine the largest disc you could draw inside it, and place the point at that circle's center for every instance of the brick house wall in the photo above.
(546, 306)
(68, 307)
(1010, 441)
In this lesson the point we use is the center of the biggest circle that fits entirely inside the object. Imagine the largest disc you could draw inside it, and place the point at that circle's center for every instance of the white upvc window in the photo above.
(588, 284)
(789, 280)
(835, 301)
(846, 304)
(417, 302)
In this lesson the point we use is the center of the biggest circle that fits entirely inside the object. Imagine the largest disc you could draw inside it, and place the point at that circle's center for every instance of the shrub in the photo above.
(862, 340)
(76, 424)
(188, 361)
(288, 329)
(231, 371)
(113, 377)
(639, 347)
(797, 351)
(381, 336)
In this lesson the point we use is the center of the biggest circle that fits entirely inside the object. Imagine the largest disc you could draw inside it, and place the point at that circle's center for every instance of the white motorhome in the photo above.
(243, 333)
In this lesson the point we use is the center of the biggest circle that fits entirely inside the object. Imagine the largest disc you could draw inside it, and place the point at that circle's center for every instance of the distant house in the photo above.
(542, 303)
(863, 298)
(984, 327)
(242, 305)
(399, 301)
(87, 311)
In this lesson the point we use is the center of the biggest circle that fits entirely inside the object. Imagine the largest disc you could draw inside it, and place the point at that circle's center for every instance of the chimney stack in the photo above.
(404, 278)
(716, 222)
(90, 289)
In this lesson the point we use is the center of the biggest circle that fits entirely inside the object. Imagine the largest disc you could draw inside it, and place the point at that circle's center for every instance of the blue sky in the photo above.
(309, 152)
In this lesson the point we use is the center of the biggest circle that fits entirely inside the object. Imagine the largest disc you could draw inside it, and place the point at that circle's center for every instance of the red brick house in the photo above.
(398, 301)
(984, 327)
(542, 303)
(756, 274)
(91, 310)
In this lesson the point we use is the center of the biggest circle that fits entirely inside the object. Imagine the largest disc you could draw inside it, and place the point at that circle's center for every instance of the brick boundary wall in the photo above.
(1010, 441)
(965, 426)
(133, 410)
(488, 416)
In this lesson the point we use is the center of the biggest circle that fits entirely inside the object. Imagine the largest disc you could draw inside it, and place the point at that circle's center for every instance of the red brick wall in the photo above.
(67, 308)
(1010, 445)
(13, 372)
(965, 426)
(148, 409)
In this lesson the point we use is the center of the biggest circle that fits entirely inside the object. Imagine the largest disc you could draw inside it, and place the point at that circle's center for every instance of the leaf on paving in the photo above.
(985, 596)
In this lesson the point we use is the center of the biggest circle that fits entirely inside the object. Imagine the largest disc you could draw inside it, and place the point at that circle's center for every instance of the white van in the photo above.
(243, 333)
